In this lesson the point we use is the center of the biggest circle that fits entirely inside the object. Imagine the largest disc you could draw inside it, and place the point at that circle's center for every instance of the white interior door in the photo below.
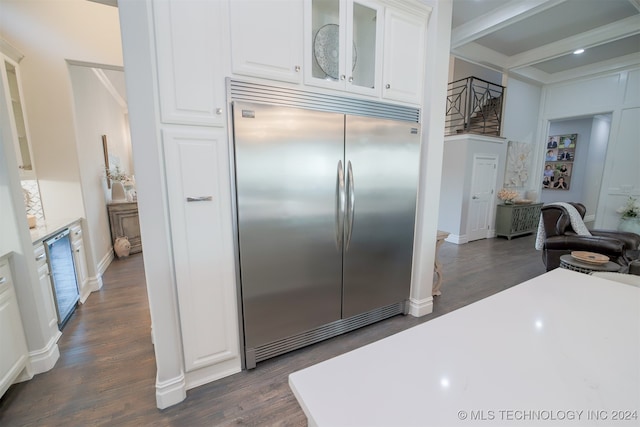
(483, 186)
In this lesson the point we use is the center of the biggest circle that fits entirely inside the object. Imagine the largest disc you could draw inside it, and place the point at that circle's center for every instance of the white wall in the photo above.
(582, 127)
(457, 167)
(617, 92)
(463, 69)
(48, 33)
(97, 113)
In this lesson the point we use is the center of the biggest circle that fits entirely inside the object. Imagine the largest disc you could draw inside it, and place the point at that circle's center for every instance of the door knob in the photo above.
(475, 197)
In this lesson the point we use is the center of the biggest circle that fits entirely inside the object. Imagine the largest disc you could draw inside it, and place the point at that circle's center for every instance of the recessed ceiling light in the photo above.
(578, 51)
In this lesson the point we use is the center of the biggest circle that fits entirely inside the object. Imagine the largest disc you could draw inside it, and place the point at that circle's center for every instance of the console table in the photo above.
(516, 220)
(124, 221)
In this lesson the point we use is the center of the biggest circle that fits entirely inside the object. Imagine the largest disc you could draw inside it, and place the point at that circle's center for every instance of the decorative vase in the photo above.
(117, 192)
(631, 224)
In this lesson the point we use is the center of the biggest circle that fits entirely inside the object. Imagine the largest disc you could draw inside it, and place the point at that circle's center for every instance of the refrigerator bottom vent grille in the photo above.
(326, 331)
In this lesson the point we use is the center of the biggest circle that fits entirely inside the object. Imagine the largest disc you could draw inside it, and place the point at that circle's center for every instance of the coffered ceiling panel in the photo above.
(536, 38)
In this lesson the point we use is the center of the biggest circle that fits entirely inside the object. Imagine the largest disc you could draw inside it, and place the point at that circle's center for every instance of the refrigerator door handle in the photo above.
(351, 196)
(340, 202)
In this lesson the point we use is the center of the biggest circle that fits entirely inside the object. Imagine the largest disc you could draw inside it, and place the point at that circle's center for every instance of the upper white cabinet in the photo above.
(266, 39)
(404, 53)
(12, 87)
(190, 63)
(343, 45)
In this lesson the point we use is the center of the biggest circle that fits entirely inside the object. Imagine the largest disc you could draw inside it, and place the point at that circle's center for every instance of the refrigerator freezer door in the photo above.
(382, 158)
(288, 167)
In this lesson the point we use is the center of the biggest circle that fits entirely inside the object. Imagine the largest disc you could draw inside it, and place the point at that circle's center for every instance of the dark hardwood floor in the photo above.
(106, 371)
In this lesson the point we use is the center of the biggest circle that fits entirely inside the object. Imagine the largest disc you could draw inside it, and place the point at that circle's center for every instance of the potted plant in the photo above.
(630, 216)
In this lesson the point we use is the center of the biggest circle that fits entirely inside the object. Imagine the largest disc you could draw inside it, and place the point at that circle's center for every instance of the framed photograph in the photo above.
(559, 157)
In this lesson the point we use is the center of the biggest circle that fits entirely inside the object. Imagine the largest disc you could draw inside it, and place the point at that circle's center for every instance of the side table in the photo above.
(570, 263)
(437, 267)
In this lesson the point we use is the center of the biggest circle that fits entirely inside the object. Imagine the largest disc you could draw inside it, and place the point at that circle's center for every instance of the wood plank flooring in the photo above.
(106, 372)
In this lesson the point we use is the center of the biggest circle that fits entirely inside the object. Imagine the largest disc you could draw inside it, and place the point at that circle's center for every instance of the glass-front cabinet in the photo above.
(11, 82)
(343, 45)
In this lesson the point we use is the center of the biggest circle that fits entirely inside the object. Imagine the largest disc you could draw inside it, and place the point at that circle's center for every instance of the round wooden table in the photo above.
(570, 263)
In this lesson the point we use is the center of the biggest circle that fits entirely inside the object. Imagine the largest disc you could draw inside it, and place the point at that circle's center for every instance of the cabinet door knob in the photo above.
(350, 79)
(342, 77)
(3, 280)
(39, 257)
(388, 86)
(218, 111)
(297, 68)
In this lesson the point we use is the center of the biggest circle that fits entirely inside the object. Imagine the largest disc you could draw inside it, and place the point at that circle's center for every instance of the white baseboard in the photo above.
(457, 239)
(45, 359)
(95, 283)
(212, 373)
(171, 392)
(419, 308)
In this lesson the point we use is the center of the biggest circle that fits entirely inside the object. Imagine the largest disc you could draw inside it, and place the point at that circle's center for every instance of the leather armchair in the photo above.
(561, 239)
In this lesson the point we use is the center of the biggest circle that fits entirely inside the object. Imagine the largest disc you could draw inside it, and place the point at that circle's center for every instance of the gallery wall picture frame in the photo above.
(559, 161)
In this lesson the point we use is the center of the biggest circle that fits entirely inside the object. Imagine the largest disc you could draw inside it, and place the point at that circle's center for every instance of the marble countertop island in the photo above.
(560, 349)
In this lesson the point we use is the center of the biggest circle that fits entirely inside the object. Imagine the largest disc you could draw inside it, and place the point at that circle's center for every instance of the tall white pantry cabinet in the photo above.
(196, 45)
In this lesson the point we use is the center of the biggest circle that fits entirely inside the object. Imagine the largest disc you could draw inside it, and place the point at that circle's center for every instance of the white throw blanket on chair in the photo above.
(576, 223)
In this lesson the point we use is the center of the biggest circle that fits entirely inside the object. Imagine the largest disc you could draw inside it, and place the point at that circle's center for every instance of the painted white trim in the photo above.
(457, 239)
(419, 308)
(45, 359)
(212, 373)
(102, 77)
(95, 282)
(589, 218)
(170, 392)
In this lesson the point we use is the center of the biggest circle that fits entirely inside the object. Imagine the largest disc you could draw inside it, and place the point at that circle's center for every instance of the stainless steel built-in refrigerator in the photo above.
(326, 211)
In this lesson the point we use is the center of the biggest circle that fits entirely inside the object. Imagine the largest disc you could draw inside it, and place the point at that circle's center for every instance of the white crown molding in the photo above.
(478, 54)
(604, 67)
(109, 86)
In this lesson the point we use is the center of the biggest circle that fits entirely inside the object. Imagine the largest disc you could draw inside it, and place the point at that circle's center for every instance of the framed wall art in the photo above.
(558, 165)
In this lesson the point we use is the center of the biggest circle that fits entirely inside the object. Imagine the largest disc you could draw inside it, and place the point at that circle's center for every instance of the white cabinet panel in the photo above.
(80, 260)
(189, 47)
(46, 287)
(14, 357)
(198, 187)
(266, 38)
(404, 53)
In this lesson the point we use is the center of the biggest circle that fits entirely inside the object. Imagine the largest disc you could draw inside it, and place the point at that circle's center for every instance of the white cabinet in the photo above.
(343, 45)
(266, 39)
(404, 53)
(198, 189)
(14, 357)
(10, 76)
(190, 49)
(45, 287)
(79, 260)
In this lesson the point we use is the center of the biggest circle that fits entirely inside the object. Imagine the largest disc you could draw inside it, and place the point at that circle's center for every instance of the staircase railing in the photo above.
(474, 106)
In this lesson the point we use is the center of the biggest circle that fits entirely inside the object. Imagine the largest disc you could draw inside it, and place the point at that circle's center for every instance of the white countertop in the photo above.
(48, 228)
(560, 349)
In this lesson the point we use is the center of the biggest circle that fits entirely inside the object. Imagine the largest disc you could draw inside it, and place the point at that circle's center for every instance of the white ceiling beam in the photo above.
(608, 66)
(478, 54)
(501, 17)
(607, 33)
